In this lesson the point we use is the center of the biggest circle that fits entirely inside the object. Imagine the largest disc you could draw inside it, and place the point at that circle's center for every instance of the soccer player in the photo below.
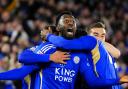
(29, 73)
(63, 76)
(99, 56)
(98, 30)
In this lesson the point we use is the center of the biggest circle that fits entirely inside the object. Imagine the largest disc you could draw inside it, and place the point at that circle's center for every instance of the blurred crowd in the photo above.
(22, 20)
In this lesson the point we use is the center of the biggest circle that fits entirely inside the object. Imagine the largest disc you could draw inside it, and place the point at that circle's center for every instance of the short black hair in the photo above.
(61, 14)
(95, 25)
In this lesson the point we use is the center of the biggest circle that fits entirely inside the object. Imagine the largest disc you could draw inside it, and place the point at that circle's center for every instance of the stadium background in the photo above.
(21, 20)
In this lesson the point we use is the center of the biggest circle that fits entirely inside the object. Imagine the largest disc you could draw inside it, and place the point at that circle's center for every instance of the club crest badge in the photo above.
(76, 59)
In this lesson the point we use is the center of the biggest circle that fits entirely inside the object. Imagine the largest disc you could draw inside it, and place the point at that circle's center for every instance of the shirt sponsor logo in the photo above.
(65, 75)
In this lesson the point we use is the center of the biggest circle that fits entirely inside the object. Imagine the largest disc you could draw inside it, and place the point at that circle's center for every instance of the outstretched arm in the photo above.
(19, 73)
(29, 57)
(82, 43)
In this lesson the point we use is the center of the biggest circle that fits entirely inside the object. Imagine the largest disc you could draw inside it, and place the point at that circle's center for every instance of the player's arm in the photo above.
(112, 50)
(93, 81)
(29, 57)
(86, 70)
(85, 42)
(19, 73)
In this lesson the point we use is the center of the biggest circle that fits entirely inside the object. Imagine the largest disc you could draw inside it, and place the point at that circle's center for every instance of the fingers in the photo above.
(60, 57)
(63, 59)
(63, 62)
(66, 57)
(65, 53)
(62, 54)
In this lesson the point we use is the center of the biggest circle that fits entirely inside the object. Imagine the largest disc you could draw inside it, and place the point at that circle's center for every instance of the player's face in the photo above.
(67, 26)
(45, 31)
(99, 33)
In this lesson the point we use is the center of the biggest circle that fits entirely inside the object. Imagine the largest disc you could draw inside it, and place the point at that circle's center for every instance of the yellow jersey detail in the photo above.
(95, 56)
(28, 80)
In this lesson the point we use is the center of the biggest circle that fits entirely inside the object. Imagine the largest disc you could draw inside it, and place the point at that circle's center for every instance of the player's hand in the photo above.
(124, 79)
(59, 57)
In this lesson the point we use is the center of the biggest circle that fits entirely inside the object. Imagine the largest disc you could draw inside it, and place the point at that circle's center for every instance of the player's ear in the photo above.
(58, 27)
(50, 29)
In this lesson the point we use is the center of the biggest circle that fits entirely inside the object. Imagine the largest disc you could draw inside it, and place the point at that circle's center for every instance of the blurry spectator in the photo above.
(17, 32)
(5, 16)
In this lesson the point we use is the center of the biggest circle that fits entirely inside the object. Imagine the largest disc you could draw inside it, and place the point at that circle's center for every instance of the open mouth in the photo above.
(69, 30)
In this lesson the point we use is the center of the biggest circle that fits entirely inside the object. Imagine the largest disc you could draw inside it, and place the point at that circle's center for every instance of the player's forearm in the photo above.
(29, 57)
(82, 43)
(18, 74)
(112, 50)
(92, 80)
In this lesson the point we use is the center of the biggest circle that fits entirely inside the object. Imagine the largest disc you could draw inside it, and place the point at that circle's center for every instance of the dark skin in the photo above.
(58, 56)
(67, 28)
